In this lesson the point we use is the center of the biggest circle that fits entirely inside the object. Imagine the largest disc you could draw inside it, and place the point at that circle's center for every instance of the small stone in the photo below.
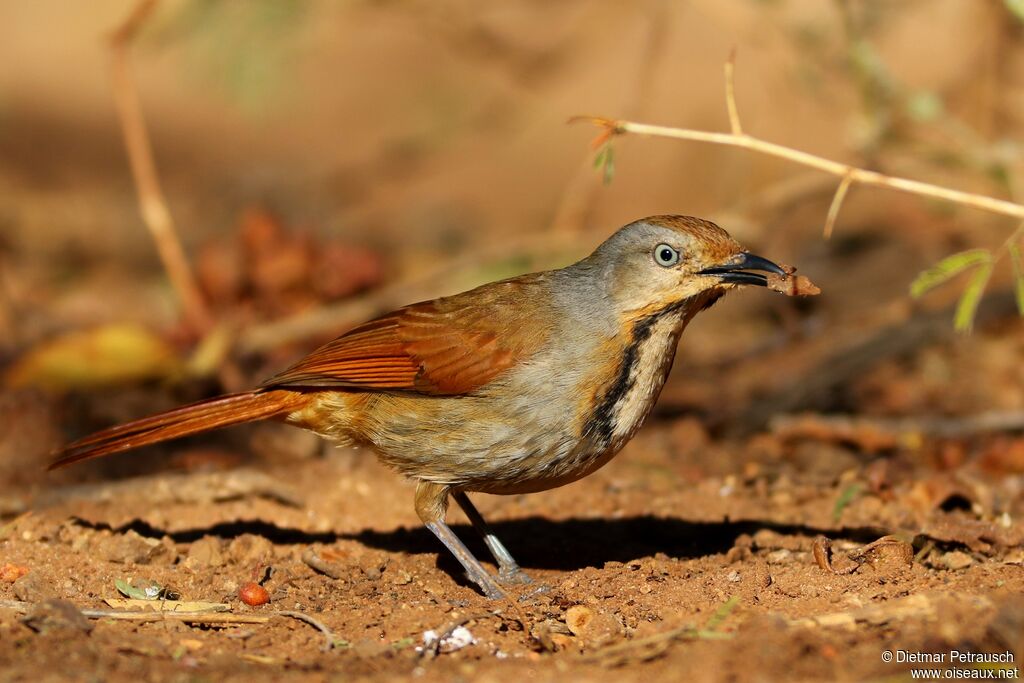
(780, 556)
(594, 628)
(543, 633)
(206, 552)
(562, 641)
(250, 549)
(577, 618)
(733, 577)
(737, 554)
(33, 588)
(130, 547)
(956, 560)
(57, 616)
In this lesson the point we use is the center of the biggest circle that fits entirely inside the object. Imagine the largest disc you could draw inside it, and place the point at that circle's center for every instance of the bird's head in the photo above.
(663, 261)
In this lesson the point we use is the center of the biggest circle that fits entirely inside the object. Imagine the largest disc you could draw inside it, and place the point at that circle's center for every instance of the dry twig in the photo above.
(318, 564)
(848, 173)
(329, 639)
(189, 617)
(147, 184)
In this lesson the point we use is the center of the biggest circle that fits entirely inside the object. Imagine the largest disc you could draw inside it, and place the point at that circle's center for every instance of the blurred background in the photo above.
(325, 161)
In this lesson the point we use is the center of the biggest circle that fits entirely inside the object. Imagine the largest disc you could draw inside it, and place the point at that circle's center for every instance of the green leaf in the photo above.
(947, 268)
(1016, 7)
(846, 497)
(721, 613)
(924, 106)
(605, 160)
(98, 357)
(1018, 274)
(967, 307)
(150, 591)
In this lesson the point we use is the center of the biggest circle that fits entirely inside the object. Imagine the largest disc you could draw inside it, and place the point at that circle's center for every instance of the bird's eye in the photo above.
(665, 255)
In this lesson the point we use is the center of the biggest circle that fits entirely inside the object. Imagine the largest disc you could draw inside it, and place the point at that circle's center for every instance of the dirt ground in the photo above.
(823, 483)
(691, 555)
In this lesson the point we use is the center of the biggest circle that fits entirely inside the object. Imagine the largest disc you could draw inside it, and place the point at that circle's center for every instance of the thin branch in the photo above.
(859, 175)
(320, 565)
(837, 203)
(152, 204)
(329, 639)
(730, 95)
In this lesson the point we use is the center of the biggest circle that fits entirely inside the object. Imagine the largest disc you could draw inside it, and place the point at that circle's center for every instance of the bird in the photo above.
(516, 386)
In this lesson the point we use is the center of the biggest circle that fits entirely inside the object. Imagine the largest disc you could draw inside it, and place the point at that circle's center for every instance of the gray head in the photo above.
(658, 262)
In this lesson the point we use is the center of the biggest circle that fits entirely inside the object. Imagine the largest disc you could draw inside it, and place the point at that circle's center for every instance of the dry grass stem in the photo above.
(730, 95)
(152, 204)
(837, 203)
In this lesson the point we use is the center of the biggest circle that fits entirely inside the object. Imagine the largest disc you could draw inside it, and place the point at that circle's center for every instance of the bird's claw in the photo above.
(513, 575)
(539, 589)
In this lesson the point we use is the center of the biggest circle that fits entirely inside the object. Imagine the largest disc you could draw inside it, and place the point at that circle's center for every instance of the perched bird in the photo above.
(513, 387)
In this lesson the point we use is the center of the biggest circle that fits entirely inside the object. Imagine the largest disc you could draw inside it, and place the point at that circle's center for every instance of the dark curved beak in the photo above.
(735, 270)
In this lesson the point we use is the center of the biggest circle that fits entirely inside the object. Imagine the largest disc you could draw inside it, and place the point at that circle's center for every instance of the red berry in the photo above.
(253, 594)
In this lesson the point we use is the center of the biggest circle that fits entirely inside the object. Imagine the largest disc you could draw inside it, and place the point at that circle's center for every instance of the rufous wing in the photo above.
(447, 346)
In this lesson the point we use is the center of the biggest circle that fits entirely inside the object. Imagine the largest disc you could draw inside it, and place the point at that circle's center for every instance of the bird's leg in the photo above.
(431, 505)
(508, 568)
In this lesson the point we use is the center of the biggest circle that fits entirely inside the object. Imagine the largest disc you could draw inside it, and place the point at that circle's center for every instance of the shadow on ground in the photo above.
(536, 542)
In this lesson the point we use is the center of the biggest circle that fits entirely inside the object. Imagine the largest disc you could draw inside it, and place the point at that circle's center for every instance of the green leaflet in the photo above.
(947, 268)
(846, 496)
(1018, 274)
(967, 307)
(605, 160)
(151, 590)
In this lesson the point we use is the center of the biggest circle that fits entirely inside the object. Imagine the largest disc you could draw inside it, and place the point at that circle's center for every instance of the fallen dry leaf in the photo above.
(101, 356)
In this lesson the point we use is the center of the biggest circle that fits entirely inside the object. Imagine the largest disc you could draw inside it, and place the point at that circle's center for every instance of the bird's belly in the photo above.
(482, 443)
(547, 426)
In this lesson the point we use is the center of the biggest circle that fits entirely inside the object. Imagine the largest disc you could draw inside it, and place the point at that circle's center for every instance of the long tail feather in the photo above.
(198, 417)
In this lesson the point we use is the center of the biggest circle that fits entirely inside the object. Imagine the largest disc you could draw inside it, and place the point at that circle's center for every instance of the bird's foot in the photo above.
(488, 585)
(539, 589)
(511, 575)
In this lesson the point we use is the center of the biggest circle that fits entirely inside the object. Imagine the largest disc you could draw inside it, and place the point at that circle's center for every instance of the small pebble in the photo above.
(957, 560)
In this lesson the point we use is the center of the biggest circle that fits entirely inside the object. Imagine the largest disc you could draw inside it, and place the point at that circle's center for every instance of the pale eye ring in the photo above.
(665, 256)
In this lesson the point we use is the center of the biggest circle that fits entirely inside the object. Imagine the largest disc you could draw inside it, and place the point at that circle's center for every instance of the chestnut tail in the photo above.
(203, 416)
